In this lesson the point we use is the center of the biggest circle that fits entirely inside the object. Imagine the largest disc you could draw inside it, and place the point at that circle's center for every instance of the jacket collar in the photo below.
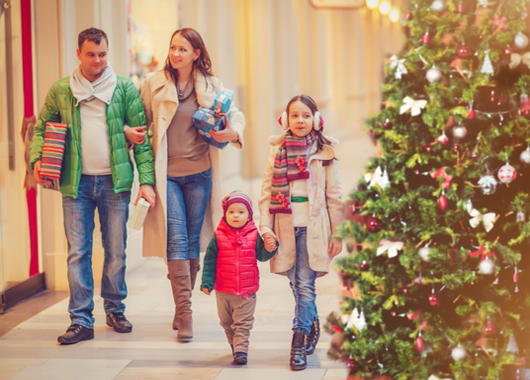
(247, 228)
(166, 90)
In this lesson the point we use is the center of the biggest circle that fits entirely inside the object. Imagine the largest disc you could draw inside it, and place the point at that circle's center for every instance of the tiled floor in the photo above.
(29, 350)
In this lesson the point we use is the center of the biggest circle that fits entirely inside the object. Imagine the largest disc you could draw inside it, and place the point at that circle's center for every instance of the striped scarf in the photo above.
(290, 164)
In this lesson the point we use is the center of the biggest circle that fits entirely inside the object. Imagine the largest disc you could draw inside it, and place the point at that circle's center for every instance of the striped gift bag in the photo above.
(53, 154)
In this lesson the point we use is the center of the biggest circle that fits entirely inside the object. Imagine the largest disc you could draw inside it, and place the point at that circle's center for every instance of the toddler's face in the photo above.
(237, 215)
(300, 119)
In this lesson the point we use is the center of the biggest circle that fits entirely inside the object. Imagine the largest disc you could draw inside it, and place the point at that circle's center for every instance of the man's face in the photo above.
(93, 59)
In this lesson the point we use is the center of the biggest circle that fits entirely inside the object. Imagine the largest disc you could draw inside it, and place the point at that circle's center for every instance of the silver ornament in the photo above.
(458, 353)
(489, 184)
(520, 217)
(486, 266)
(438, 6)
(459, 132)
(434, 74)
(424, 253)
(525, 157)
(520, 40)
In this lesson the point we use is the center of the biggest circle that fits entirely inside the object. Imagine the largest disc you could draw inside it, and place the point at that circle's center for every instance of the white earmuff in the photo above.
(284, 122)
(316, 121)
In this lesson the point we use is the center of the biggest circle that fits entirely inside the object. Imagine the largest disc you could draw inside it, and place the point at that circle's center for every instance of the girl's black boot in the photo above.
(298, 355)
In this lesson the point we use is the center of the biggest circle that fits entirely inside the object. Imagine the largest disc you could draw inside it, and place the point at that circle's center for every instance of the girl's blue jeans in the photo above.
(96, 191)
(302, 279)
(187, 198)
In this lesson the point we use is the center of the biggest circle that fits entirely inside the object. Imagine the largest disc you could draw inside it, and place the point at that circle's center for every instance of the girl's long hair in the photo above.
(203, 64)
(308, 101)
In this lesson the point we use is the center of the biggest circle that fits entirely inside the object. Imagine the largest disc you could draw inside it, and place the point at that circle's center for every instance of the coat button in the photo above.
(150, 133)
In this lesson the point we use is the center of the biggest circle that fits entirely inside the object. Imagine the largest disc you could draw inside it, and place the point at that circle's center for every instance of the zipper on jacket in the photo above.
(238, 282)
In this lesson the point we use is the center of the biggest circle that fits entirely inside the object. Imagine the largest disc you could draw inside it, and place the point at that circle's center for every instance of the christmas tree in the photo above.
(438, 285)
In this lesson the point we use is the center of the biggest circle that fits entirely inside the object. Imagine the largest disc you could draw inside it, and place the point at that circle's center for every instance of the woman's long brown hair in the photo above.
(203, 64)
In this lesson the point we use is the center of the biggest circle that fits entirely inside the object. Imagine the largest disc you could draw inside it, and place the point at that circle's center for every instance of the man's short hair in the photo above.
(91, 34)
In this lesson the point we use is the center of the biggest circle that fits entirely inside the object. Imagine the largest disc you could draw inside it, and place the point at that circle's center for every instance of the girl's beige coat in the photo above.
(326, 211)
(159, 95)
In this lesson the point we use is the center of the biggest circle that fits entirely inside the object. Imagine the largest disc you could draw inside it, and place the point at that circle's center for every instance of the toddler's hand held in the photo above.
(206, 291)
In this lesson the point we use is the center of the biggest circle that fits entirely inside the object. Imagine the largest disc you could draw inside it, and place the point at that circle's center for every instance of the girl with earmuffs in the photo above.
(301, 206)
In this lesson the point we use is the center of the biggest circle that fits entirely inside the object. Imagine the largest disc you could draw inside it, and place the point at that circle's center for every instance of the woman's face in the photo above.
(181, 53)
(300, 119)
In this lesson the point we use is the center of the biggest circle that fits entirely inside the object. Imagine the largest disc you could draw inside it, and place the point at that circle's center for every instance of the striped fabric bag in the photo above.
(53, 154)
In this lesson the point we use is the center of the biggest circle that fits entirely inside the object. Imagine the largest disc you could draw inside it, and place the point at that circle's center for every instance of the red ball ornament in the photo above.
(425, 39)
(433, 300)
(507, 173)
(508, 50)
(460, 8)
(471, 114)
(374, 224)
(420, 343)
(464, 51)
(442, 202)
(364, 266)
(408, 16)
(489, 328)
(352, 365)
(387, 124)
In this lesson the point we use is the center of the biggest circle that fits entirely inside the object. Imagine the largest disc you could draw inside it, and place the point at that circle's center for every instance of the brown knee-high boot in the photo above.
(179, 274)
(195, 266)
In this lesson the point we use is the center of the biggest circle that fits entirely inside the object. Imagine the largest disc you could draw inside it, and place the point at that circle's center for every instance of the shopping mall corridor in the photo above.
(29, 350)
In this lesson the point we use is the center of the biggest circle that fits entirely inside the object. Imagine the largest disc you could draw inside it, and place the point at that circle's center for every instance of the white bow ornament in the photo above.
(516, 59)
(355, 319)
(378, 177)
(400, 64)
(432, 377)
(415, 106)
(391, 246)
(487, 219)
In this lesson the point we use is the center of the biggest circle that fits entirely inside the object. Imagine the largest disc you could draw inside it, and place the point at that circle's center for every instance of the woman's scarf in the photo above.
(290, 164)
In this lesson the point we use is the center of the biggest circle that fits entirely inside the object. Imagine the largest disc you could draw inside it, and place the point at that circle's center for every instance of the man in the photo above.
(97, 173)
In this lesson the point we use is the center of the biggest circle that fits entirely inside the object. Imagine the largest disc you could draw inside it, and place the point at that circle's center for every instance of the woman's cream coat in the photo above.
(326, 211)
(159, 95)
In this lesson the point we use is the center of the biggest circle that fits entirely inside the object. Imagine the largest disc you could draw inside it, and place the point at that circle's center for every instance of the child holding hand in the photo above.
(301, 206)
(230, 268)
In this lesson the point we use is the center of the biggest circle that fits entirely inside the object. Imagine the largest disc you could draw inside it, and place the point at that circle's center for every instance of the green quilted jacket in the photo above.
(125, 107)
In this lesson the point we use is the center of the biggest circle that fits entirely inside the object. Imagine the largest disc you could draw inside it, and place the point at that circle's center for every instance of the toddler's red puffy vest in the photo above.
(237, 266)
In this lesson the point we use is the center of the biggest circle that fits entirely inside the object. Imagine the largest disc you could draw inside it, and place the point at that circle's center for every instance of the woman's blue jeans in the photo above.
(302, 279)
(187, 198)
(96, 192)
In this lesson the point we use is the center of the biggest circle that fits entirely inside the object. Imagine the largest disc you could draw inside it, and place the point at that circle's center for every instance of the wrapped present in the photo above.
(53, 154)
(223, 100)
(140, 212)
(206, 120)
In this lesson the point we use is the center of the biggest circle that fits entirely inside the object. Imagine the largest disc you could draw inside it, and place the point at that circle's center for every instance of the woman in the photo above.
(187, 168)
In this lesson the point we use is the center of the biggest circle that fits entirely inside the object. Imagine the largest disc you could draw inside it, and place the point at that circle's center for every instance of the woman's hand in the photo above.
(270, 239)
(227, 134)
(206, 291)
(335, 247)
(136, 135)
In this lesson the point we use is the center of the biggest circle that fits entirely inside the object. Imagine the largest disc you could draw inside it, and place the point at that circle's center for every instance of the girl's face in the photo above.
(300, 119)
(181, 53)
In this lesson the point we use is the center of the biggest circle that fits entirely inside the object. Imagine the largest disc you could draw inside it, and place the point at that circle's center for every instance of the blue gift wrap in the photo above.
(206, 120)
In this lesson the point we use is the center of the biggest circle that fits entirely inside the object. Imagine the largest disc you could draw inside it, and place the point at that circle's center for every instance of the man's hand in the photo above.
(206, 291)
(136, 135)
(148, 193)
(270, 240)
(335, 247)
(227, 134)
(36, 174)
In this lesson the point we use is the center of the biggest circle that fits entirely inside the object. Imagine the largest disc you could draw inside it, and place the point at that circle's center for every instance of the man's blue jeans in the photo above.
(302, 279)
(187, 198)
(96, 192)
